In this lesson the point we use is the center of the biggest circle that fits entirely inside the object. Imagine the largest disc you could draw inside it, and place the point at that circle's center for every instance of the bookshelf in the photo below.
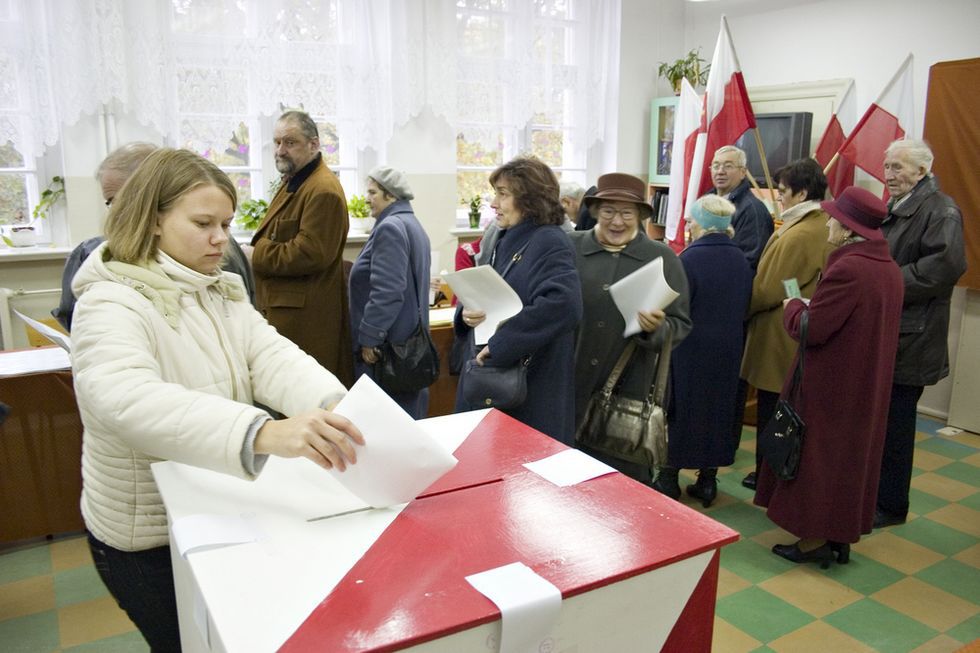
(661, 143)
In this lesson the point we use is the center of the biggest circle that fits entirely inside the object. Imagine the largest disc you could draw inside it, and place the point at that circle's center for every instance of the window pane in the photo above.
(552, 8)
(484, 5)
(243, 184)
(221, 141)
(13, 198)
(329, 143)
(476, 149)
(209, 17)
(547, 145)
(10, 157)
(470, 183)
(302, 20)
(480, 35)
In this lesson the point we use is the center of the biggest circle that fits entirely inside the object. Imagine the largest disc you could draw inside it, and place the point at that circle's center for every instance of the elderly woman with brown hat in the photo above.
(851, 341)
(614, 248)
(389, 282)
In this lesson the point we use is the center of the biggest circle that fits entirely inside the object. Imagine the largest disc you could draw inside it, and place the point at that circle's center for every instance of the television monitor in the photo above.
(785, 137)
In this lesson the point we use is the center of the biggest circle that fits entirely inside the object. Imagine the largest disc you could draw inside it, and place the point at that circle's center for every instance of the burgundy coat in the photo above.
(850, 356)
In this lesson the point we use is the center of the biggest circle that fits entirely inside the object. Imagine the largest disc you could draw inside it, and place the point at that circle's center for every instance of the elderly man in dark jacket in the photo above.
(924, 229)
(752, 222)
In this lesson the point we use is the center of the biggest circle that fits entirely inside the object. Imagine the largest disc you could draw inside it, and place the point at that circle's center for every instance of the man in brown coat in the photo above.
(298, 251)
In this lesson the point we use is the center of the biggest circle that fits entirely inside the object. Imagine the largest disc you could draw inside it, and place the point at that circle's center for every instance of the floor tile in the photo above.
(131, 642)
(85, 622)
(972, 459)
(865, 575)
(933, 535)
(927, 425)
(966, 520)
(962, 472)
(945, 447)
(880, 627)
(752, 562)
(966, 632)
(823, 594)
(926, 603)
(761, 615)
(747, 520)
(922, 503)
(26, 596)
(938, 644)
(954, 577)
(31, 633)
(77, 585)
(970, 556)
(729, 639)
(942, 487)
(774, 536)
(966, 438)
(18, 565)
(70, 554)
(894, 551)
(818, 637)
(972, 501)
(929, 461)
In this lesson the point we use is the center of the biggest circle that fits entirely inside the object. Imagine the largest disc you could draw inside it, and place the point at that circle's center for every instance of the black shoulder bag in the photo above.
(781, 441)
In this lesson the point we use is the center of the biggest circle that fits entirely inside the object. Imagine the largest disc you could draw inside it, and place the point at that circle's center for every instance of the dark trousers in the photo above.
(896, 460)
(740, 393)
(765, 406)
(142, 582)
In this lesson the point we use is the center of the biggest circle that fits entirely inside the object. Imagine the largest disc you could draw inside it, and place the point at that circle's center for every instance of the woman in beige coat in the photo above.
(797, 250)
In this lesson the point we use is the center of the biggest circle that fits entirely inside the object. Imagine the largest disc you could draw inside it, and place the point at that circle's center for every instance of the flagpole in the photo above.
(833, 160)
(765, 171)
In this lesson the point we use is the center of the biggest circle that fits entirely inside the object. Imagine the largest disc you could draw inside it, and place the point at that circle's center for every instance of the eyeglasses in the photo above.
(728, 166)
(607, 213)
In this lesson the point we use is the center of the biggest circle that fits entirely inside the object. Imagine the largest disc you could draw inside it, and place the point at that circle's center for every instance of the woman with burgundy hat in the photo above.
(612, 249)
(849, 359)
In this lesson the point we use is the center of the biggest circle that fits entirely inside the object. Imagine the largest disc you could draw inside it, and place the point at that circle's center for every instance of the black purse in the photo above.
(781, 441)
(495, 387)
(409, 366)
(634, 430)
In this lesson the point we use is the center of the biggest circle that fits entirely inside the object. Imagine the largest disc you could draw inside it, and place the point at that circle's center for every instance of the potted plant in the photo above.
(692, 67)
(476, 204)
(24, 234)
(250, 213)
(360, 213)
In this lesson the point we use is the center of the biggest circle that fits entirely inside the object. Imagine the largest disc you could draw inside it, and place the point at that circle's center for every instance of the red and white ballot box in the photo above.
(309, 572)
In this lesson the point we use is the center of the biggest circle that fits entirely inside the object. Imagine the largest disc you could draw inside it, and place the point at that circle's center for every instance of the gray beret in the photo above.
(393, 181)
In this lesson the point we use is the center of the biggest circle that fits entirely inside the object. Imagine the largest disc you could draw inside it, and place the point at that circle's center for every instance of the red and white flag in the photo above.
(888, 119)
(840, 175)
(727, 112)
(687, 120)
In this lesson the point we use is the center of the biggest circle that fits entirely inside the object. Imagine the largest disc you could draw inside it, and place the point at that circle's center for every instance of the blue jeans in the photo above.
(142, 582)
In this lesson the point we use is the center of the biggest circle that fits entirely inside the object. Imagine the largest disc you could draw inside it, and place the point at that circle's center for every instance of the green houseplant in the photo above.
(360, 213)
(250, 213)
(476, 203)
(24, 235)
(692, 67)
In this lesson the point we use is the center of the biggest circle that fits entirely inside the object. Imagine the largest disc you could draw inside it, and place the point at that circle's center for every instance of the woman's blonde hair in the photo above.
(158, 183)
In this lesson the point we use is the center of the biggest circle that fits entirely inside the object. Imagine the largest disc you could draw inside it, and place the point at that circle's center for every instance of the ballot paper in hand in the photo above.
(483, 289)
(55, 336)
(643, 290)
(399, 459)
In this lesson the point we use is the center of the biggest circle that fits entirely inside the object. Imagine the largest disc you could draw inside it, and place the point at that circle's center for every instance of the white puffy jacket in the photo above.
(167, 363)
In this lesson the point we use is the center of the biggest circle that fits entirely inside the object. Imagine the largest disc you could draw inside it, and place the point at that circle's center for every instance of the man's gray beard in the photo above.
(290, 168)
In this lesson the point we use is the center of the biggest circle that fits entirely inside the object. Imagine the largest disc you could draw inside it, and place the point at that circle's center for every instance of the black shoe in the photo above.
(666, 483)
(749, 481)
(842, 550)
(706, 487)
(822, 554)
(883, 519)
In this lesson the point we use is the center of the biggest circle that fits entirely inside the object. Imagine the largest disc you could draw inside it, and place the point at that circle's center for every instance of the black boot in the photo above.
(666, 483)
(706, 487)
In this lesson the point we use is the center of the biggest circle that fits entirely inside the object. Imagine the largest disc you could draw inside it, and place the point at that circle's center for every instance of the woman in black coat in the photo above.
(542, 273)
(613, 249)
(705, 367)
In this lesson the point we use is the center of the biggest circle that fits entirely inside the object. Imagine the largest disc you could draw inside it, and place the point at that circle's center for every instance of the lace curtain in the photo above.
(371, 65)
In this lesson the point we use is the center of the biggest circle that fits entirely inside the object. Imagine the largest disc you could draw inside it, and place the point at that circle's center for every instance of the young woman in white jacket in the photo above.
(168, 358)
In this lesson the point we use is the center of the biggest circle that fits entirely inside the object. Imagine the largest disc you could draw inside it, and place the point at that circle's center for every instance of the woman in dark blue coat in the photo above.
(543, 275)
(705, 366)
(389, 282)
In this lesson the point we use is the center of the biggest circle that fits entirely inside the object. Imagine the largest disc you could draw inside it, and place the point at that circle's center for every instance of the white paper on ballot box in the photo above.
(643, 290)
(483, 289)
(399, 459)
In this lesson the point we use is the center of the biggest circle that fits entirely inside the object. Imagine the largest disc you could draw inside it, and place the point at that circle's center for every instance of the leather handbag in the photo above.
(781, 440)
(634, 430)
(495, 387)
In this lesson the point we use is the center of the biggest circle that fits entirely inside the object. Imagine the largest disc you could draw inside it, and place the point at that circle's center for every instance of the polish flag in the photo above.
(727, 111)
(888, 119)
(840, 172)
(687, 120)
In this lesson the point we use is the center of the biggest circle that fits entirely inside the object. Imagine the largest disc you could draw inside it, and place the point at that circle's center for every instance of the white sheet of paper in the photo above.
(29, 361)
(642, 290)
(483, 289)
(569, 467)
(55, 336)
(195, 532)
(399, 459)
(433, 272)
(529, 605)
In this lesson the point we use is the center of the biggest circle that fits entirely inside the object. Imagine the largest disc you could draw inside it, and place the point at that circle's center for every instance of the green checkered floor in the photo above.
(914, 587)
